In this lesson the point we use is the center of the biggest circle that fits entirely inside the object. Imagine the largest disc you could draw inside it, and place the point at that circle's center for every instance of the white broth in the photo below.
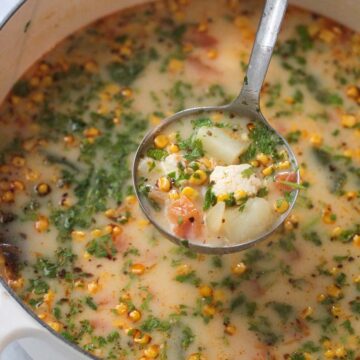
(91, 266)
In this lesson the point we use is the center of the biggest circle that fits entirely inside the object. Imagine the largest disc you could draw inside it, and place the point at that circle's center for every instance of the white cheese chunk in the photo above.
(229, 179)
(170, 163)
(221, 146)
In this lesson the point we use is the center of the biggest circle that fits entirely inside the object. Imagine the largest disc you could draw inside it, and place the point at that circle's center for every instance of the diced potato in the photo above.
(146, 164)
(219, 145)
(241, 226)
(214, 217)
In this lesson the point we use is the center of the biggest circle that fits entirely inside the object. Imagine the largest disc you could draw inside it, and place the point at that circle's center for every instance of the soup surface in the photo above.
(83, 257)
(216, 178)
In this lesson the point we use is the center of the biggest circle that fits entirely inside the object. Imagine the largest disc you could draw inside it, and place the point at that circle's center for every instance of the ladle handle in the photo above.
(262, 50)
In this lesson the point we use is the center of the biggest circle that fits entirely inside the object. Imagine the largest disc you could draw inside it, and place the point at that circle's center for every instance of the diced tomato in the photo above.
(285, 176)
(187, 219)
(198, 38)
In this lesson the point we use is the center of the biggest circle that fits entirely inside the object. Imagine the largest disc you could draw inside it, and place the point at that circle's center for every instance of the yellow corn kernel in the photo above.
(187, 47)
(203, 26)
(55, 325)
(43, 189)
(353, 92)
(152, 351)
(209, 310)
(49, 297)
(327, 344)
(205, 291)
(268, 170)
(199, 177)
(78, 235)
(281, 206)
(116, 230)
(142, 339)
(173, 148)
(189, 192)
(110, 213)
(175, 65)
(356, 240)
(131, 199)
(307, 356)
(161, 141)
(4, 185)
(205, 161)
(17, 283)
(351, 195)
(183, 269)
(92, 132)
(93, 287)
(283, 165)
(42, 316)
(230, 329)
(15, 99)
(121, 308)
(336, 231)
(137, 269)
(329, 354)
(126, 92)
(334, 270)
(240, 194)
(42, 224)
(254, 163)
(164, 184)
(223, 197)
(320, 298)
(18, 161)
(212, 54)
(196, 356)
(333, 291)
(134, 315)
(94, 233)
(316, 139)
(328, 217)
(340, 351)
(8, 197)
(47, 80)
(288, 225)
(263, 159)
(91, 67)
(37, 97)
(327, 35)
(356, 279)
(69, 140)
(336, 310)
(308, 311)
(348, 120)
(174, 195)
(86, 255)
(239, 268)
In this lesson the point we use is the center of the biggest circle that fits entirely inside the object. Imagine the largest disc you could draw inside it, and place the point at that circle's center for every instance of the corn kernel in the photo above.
(268, 170)
(95, 233)
(42, 224)
(78, 235)
(199, 177)
(254, 163)
(307, 356)
(240, 195)
(351, 195)
(42, 189)
(356, 240)
(15, 99)
(161, 141)
(209, 310)
(187, 47)
(263, 159)
(155, 120)
(56, 326)
(196, 356)
(353, 92)
(37, 97)
(175, 65)
(328, 217)
(164, 184)
(203, 26)
(42, 316)
(92, 132)
(308, 311)
(336, 231)
(281, 206)
(121, 308)
(327, 344)
(173, 148)
(152, 351)
(142, 339)
(334, 291)
(336, 310)
(137, 269)
(17, 283)
(205, 161)
(91, 67)
(206, 291)
(174, 195)
(131, 199)
(93, 287)
(189, 192)
(110, 213)
(17, 185)
(283, 165)
(134, 315)
(329, 354)
(316, 139)
(334, 270)
(86, 255)
(239, 268)
(320, 298)
(116, 230)
(223, 197)
(348, 120)
(18, 161)
(212, 54)
(356, 279)
(230, 329)
(8, 197)
(183, 269)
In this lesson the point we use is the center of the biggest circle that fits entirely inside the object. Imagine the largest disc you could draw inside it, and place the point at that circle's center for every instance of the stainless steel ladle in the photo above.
(246, 105)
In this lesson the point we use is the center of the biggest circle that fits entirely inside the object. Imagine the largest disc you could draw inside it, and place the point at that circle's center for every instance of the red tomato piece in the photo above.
(285, 176)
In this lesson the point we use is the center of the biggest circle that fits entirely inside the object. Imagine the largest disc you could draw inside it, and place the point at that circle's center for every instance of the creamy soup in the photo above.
(216, 178)
(82, 256)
